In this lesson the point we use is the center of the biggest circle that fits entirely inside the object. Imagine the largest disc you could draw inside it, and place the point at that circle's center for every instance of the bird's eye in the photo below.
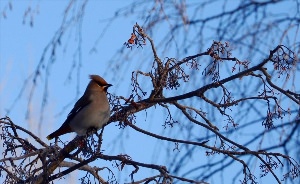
(99, 84)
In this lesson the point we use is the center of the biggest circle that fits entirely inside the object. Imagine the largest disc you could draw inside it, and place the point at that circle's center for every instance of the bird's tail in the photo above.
(62, 130)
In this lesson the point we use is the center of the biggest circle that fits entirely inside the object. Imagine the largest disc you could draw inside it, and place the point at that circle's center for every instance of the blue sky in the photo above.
(21, 48)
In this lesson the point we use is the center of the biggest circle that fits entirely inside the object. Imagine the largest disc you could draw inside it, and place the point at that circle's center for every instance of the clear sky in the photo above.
(21, 49)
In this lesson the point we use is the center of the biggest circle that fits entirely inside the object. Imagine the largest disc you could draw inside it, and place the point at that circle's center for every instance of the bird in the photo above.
(92, 110)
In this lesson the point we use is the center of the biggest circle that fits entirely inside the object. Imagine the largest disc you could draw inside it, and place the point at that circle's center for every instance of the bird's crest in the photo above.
(99, 80)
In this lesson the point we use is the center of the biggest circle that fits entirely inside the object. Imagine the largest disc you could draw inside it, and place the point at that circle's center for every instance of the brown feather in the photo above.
(99, 80)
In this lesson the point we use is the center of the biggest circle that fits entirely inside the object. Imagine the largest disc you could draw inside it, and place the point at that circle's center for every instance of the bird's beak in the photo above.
(106, 87)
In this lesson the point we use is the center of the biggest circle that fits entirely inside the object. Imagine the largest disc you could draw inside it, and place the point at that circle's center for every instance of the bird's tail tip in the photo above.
(49, 137)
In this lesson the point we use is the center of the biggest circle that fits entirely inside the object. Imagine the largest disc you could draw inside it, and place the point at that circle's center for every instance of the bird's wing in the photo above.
(79, 105)
(65, 127)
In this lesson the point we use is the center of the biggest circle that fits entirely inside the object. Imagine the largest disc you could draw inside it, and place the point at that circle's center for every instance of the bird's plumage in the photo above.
(90, 111)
